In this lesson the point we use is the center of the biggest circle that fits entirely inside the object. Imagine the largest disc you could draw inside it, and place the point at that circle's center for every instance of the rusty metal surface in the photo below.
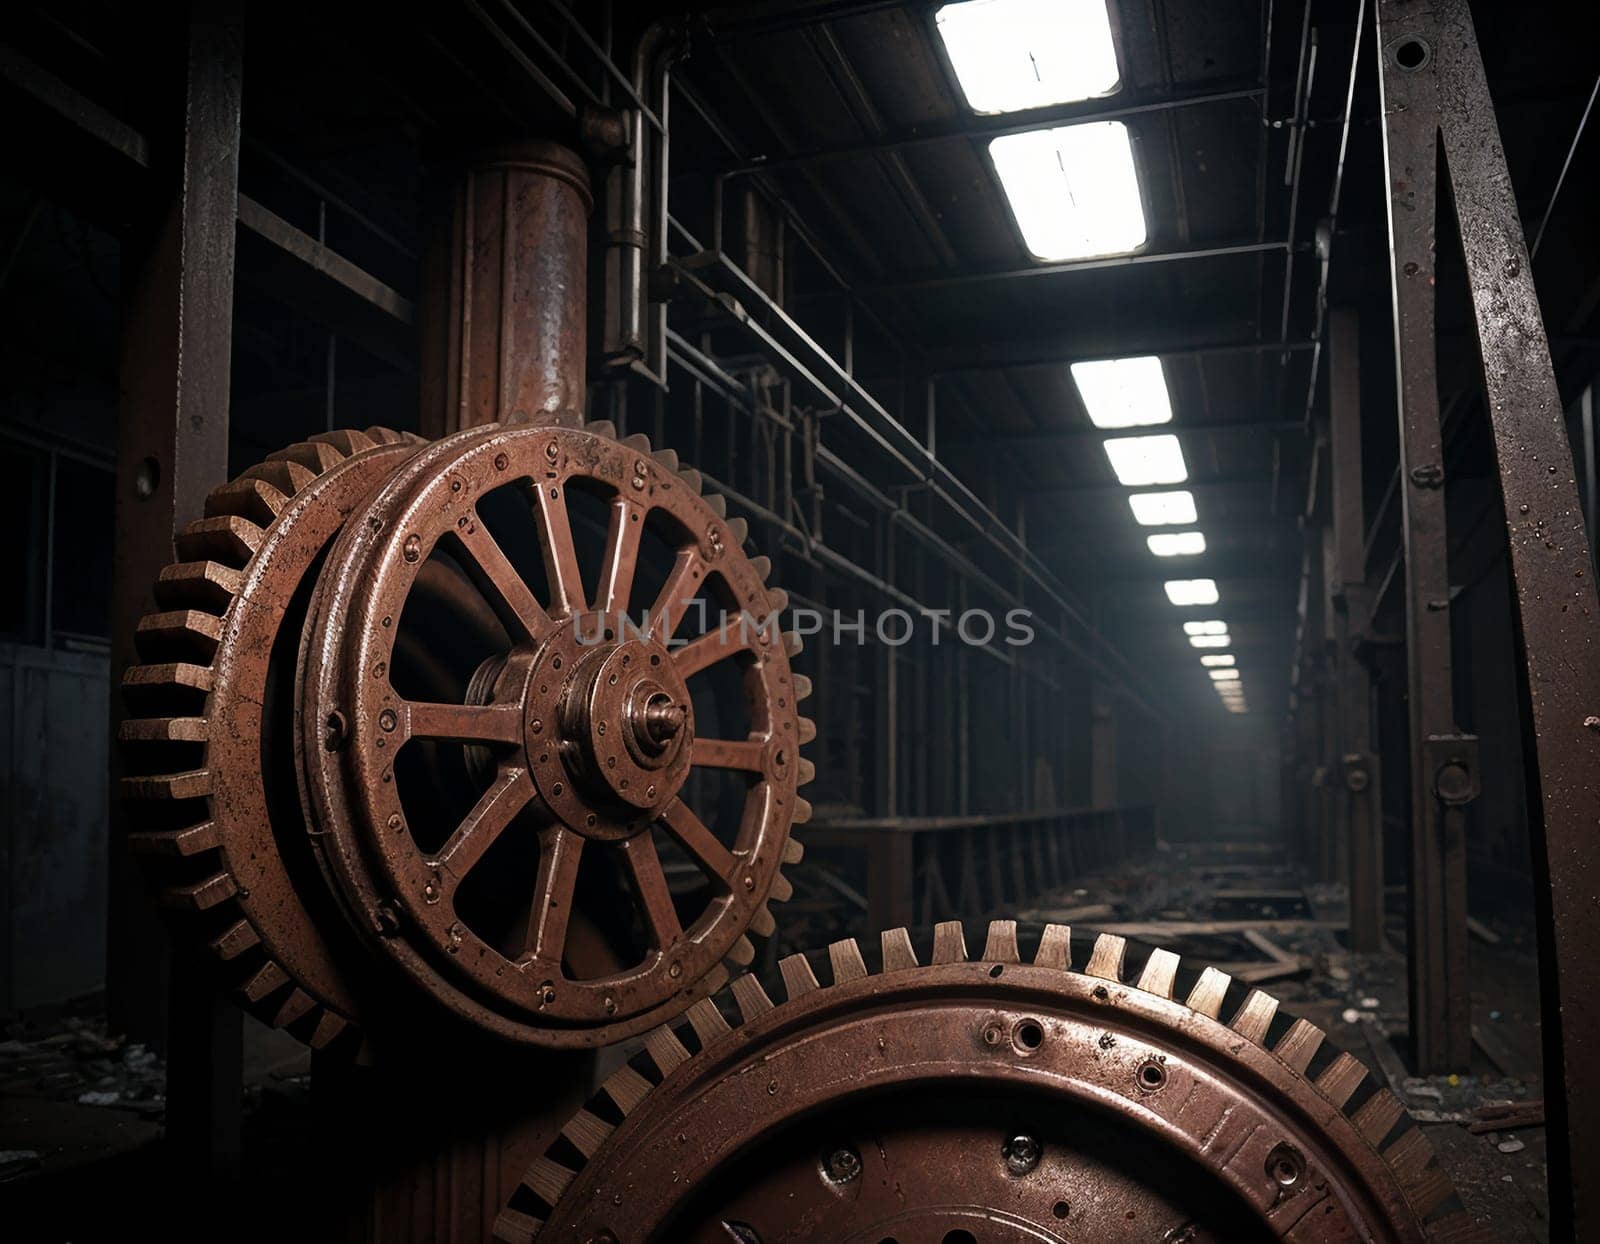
(1447, 97)
(512, 865)
(503, 316)
(208, 744)
(1009, 1097)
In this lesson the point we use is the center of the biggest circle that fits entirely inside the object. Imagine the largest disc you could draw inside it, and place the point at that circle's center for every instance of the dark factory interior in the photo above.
(751, 621)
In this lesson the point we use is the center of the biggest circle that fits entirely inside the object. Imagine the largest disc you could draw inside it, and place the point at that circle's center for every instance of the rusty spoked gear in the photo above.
(210, 741)
(1000, 1099)
(562, 816)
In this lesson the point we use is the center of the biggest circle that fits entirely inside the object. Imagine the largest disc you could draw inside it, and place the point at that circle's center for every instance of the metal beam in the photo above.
(977, 276)
(1213, 484)
(1192, 428)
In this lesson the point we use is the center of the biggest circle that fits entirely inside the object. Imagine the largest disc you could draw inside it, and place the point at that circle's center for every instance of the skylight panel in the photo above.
(1141, 460)
(1014, 54)
(1217, 658)
(1210, 641)
(1163, 509)
(1191, 591)
(1224, 675)
(1073, 189)
(1210, 626)
(1176, 543)
(1124, 393)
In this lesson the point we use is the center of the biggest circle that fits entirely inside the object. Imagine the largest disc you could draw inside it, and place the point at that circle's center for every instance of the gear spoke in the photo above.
(496, 808)
(650, 888)
(622, 555)
(698, 841)
(513, 603)
(465, 723)
(728, 754)
(560, 554)
(559, 852)
(677, 594)
(717, 644)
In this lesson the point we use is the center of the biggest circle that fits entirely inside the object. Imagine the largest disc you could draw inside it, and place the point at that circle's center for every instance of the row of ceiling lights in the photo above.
(1074, 192)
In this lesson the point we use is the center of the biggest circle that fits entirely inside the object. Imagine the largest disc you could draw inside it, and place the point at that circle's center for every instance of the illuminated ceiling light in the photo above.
(1191, 591)
(1176, 543)
(1210, 626)
(1123, 393)
(1210, 641)
(1217, 658)
(1163, 509)
(1073, 190)
(1237, 708)
(1224, 675)
(1013, 54)
(1140, 460)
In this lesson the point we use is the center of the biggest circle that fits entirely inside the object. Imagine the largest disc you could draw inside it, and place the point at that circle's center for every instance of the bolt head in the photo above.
(1022, 1153)
(843, 1164)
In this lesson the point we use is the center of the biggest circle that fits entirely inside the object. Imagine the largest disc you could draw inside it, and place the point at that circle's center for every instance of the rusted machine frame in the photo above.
(1446, 96)
(1361, 810)
(172, 449)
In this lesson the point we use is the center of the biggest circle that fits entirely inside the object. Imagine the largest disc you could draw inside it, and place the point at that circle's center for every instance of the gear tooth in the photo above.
(166, 676)
(792, 643)
(802, 811)
(741, 954)
(227, 538)
(1299, 1045)
(808, 730)
(177, 843)
(717, 504)
(547, 1179)
(512, 1226)
(315, 455)
(626, 1088)
(691, 479)
(798, 978)
(380, 435)
(1055, 947)
(192, 784)
(1001, 944)
(665, 1050)
(793, 850)
(328, 1029)
(666, 459)
(949, 942)
(267, 979)
(237, 938)
(201, 895)
(707, 1022)
(1378, 1115)
(296, 1006)
(1160, 969)
(782, 889)
(1340, 1079)
(749, 997)
(763, 567)
(806, 772)
(586, 1131)
(348, 441)
(1254, 1016)
(638, 442)
(163, 730)
(739, 530)
(1208, 992)
(602, 428)
(802, 688)
(1409, 1156)
(761, 922)
(1105, 960)
(1459, 1227)
(183, 633)
(286, 476)
(252, 499)
(898, 953)
(844, 957)
(208, 585)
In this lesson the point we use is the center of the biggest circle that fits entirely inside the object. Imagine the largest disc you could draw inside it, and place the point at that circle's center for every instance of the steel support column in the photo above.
(1361, 808)
(1433, 84)
(172, 449)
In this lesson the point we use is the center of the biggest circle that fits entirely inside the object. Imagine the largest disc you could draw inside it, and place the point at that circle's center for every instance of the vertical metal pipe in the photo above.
(503, 317)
